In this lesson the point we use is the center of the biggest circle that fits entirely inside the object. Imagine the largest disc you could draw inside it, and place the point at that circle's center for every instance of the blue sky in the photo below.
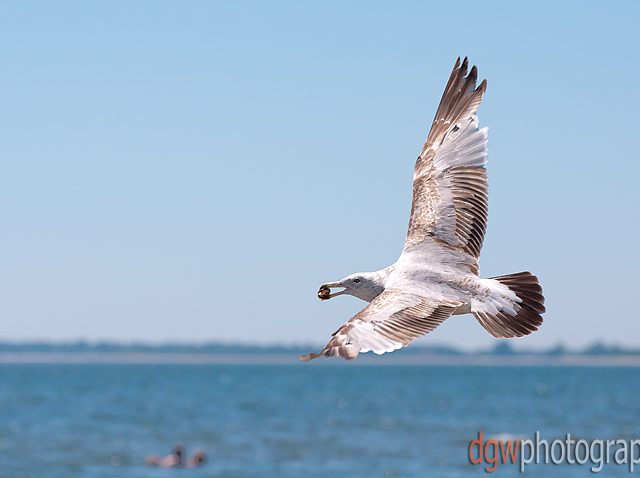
(195, 170)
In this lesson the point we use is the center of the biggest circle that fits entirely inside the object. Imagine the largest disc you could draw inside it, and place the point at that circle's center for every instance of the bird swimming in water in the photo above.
(437, 274)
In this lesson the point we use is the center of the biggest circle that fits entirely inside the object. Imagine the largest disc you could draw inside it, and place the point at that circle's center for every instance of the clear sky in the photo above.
(195, 170)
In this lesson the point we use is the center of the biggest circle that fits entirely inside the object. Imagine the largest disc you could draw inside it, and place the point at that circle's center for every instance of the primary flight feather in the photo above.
(437, 274)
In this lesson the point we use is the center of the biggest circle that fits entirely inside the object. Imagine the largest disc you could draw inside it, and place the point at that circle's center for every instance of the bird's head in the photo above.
(364, 285)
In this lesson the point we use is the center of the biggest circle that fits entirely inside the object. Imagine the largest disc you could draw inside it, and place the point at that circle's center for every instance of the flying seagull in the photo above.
(437, 274)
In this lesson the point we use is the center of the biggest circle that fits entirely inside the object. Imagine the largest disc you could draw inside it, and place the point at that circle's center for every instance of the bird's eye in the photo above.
(357, 281)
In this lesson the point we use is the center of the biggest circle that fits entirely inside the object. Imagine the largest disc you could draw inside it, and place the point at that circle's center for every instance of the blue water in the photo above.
(300, 421)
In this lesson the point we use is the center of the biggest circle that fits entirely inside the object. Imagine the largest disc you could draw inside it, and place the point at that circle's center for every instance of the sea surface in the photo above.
(313, 420)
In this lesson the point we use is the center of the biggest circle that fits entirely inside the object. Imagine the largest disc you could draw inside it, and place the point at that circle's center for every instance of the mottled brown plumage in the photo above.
(395, 315)
(437, 274)
(450, 203)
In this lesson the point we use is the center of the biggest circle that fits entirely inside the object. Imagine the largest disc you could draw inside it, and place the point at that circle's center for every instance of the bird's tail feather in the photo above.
(520, 317)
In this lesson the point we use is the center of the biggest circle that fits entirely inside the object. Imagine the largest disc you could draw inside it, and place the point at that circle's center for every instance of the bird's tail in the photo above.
(513, 307)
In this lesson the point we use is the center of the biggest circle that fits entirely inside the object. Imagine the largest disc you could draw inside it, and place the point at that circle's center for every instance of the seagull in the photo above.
(437, 274)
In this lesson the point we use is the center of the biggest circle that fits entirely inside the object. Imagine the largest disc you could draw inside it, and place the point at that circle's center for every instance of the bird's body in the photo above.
(437, 274)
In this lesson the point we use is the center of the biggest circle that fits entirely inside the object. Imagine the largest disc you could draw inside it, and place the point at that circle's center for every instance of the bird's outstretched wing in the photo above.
(391, 321)
(449, 207)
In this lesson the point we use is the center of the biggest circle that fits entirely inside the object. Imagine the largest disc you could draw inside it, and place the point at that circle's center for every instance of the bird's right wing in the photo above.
(391, 321)
(449, 207)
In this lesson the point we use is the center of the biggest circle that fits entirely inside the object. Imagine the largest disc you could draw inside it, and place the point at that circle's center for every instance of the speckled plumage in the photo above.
(436, 275)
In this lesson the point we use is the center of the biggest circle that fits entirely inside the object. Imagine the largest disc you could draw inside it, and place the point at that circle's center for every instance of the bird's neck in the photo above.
(383, 274)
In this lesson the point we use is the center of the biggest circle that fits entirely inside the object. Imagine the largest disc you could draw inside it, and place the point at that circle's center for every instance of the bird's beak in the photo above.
(324, 293)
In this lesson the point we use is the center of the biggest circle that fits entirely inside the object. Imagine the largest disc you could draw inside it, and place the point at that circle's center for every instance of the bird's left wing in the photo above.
(449, 207)
(391, 321)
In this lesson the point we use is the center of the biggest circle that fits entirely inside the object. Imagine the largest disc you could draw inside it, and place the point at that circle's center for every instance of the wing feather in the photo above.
(450, 196)
(391, 321)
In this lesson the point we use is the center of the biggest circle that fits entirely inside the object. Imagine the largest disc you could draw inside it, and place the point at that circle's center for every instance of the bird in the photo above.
(437, 274)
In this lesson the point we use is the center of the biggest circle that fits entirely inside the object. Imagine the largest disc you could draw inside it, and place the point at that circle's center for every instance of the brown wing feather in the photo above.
(450, 198)
(391, 321)
(459, 97)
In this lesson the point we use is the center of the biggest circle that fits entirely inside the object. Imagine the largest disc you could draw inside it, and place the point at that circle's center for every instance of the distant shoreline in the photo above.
(502, 353)
(277, 358)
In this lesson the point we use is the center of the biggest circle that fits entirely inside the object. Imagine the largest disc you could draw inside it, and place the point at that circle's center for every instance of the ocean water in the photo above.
(301, 420)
